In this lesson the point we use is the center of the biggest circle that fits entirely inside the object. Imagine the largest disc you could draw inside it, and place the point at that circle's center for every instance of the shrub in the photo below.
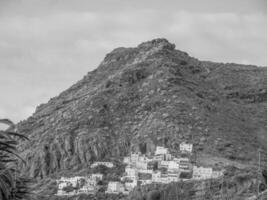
(183, 62)
(68, 188)
(102, 169)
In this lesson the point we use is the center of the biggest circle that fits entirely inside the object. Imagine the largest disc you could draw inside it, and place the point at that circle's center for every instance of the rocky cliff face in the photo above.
(145, 96)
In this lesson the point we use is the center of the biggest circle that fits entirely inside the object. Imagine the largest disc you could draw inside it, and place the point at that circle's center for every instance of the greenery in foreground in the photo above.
(12, 185)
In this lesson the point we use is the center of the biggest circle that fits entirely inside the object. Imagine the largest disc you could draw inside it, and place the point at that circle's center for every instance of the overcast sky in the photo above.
(47, 45)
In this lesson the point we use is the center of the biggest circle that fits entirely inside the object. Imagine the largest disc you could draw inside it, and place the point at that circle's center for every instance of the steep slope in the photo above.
(145, 96)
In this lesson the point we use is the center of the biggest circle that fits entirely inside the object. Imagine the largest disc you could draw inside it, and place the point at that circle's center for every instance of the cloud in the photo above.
(47, 49)
(226, 37)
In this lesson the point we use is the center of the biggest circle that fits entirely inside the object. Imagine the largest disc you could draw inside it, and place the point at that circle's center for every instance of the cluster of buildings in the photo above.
(81, 184)
(162, 167)
(78, 184)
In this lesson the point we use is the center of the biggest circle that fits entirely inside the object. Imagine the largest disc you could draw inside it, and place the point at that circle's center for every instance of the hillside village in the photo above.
(162, 167)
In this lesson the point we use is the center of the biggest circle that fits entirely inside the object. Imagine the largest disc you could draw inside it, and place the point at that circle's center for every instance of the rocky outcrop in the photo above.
(146, 96)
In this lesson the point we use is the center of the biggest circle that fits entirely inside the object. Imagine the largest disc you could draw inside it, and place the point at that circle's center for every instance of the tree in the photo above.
(100, 169)
(153, 195)
(69, 188)
(12, 185)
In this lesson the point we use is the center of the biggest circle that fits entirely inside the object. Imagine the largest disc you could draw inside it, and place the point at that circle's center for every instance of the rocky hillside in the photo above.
(149, 95)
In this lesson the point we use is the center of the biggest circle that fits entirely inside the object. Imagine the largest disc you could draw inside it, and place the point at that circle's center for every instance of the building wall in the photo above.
(115, 187)
(186, 147)
(134, 157)
(107, 164)
(159, 157)
(164, 164)
(97, 176)
(173, 166)
(126, 160)
(202, 172)
(161, 150)
(130, 171)
(141, 165)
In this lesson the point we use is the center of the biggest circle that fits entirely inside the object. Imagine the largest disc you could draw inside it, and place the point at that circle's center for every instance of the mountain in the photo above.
(145, 96)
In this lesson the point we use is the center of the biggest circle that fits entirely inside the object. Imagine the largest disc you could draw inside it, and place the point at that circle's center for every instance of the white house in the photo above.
(173, 166)
(167, 178)
(202, 172)
(164, 164)
(141, 165)
(131, 172)
(134, 157)
(61, 193)
(97, 177)
(69, 181)
(127, 160)
(161, 150)
(163, 179)
(61, 185)
(145, 182)
(156, 176)
(115, 187)
(186, 147)
(89, 186)
(107, 164)
(91, 182)
(87, 189)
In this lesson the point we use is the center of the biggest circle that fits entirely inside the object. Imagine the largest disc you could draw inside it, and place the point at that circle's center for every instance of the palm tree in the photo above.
(12, 185)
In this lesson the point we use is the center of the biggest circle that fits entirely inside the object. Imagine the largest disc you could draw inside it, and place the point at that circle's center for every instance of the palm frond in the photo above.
(12, 185)
(20, 136)
(6, 183)
(7, 122)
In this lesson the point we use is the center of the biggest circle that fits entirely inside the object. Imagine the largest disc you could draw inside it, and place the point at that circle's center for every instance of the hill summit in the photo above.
(145, 96)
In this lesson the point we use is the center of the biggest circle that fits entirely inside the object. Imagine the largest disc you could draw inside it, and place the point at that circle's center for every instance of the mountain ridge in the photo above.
(145, 96)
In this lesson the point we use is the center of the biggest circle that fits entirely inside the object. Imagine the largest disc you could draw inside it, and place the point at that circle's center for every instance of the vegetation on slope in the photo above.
(145, 96)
